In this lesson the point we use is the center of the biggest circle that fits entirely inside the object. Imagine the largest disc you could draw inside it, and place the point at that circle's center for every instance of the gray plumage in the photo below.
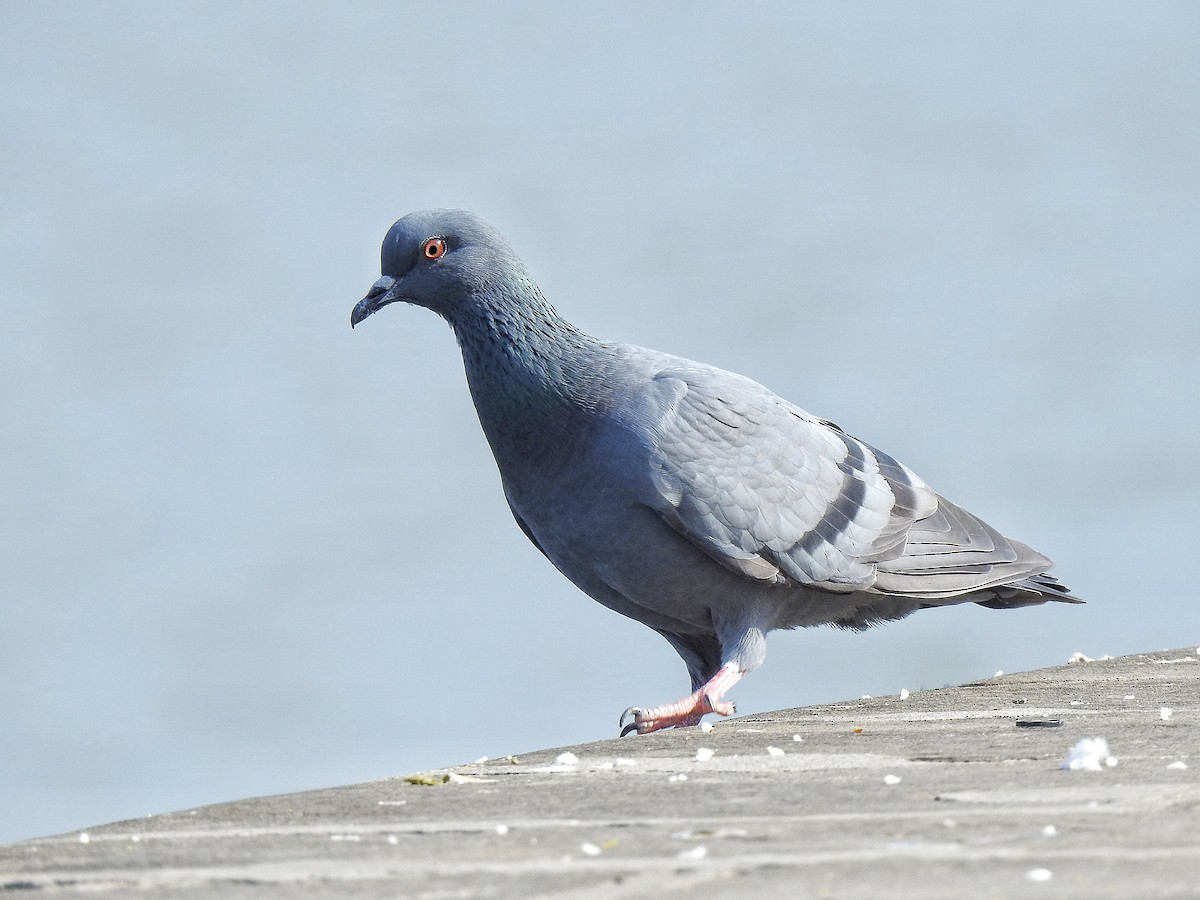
(684, 496)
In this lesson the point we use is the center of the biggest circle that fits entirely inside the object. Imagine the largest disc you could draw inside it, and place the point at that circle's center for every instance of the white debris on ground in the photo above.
(904, 693)
(1178, 764)
(1088, 755)
(604, 765)
(675, 778)
(502, 830)
(797, 738)
(1049, 831)
(890, 780)
(1165, 713)
(480, 761)
(695, 853)
(999, 672)
(1039, 874)
(1078, 657)
(455, 778)
(566, 759)
(774, 751)
(84, 837)
(588, 849)
(704, 754)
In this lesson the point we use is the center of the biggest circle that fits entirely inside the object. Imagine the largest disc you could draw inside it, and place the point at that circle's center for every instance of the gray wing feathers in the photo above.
(781, 496)
(951, 552)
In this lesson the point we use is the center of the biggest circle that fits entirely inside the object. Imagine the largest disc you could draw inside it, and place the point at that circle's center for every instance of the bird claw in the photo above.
(635, 719)
(688, 711)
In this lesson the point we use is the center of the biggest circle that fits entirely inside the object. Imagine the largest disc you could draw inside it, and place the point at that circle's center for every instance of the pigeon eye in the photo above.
(433, 248)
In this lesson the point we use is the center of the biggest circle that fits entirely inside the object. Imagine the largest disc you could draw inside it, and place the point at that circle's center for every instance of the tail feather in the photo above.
(1030, 592)
(953, 557)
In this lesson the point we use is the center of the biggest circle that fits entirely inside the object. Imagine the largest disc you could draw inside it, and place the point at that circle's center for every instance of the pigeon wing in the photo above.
(781, 496)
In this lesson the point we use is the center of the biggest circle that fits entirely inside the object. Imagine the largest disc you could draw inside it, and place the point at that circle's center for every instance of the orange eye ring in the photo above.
(433, 248)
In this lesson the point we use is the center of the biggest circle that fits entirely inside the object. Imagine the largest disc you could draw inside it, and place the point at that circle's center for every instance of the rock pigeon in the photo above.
(683, 496)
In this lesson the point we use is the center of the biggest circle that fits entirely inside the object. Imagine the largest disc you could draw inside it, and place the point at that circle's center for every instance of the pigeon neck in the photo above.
(536, 379)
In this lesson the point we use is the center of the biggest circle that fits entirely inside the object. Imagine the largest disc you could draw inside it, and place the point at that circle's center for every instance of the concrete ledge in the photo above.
(948, 793)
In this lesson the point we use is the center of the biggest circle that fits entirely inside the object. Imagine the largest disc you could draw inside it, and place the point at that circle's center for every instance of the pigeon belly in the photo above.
(624, 555)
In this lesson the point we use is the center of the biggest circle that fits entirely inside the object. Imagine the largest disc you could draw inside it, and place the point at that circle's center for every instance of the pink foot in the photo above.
(688, 711)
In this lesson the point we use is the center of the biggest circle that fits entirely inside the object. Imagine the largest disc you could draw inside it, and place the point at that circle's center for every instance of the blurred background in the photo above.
(245, 550)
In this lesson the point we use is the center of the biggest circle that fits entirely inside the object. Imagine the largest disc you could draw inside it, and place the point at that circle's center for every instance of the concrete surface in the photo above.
(943, 794)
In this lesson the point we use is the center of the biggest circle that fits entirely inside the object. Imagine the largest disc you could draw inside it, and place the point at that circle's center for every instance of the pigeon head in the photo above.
(522, 359)
(443, 259)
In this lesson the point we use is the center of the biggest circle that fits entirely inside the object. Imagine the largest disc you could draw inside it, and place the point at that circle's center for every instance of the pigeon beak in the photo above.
(380, 295)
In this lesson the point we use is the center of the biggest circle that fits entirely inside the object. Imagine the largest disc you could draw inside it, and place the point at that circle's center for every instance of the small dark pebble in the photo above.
(1039, 723)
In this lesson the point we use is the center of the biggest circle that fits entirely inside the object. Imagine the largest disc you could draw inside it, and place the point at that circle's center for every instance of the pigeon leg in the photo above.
(688, 711)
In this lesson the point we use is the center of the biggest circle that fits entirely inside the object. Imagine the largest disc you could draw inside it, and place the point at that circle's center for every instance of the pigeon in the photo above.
(689, 498)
